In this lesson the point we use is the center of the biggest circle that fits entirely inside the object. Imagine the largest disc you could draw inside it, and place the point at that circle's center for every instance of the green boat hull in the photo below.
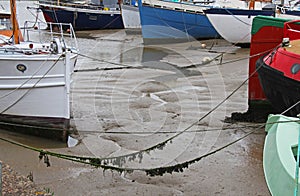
(280, 149)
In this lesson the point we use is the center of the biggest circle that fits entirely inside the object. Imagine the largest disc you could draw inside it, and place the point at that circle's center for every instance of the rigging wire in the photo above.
(35, 15)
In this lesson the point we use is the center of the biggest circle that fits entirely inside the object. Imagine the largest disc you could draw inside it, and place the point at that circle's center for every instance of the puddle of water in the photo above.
(153, 54)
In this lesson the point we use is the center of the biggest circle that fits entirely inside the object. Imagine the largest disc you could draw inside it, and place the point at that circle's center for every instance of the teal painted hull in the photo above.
(279, 154)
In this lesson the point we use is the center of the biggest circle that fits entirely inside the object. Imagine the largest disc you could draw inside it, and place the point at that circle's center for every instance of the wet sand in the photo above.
(137, 96)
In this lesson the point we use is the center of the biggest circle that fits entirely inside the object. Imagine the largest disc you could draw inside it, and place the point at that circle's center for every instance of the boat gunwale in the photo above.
(73, 9)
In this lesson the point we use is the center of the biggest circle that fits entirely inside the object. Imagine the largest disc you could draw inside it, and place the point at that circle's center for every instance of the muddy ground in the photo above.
(127, 97)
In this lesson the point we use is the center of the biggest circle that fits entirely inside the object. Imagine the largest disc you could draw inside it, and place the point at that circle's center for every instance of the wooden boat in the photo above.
(280, 153)
(35, 79)
(279, 73)
(84, 15)
(130, 14)
(167, 21)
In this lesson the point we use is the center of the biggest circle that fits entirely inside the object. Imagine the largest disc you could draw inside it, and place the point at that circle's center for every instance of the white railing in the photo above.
(45, 32)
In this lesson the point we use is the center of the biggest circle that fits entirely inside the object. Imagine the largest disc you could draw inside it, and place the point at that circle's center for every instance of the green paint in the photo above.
(278, 157)
(263, 21)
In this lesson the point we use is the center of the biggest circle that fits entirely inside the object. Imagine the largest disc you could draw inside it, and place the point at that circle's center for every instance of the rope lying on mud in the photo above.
(168, 132)
(158, 171)
(126, 66)
(115, 163)
(131, 156)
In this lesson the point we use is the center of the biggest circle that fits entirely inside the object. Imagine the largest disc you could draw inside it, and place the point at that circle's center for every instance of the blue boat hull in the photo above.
(84, 20)
(165, 24)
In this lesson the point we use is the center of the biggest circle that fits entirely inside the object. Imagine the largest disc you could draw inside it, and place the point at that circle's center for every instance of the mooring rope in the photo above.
(103, 162)
(292, 106)
(168, 132)
(126, 66)
(152, 172)
(163, 143)
(119, 160)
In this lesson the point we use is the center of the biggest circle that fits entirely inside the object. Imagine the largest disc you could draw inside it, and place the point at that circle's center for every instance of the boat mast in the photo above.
(16, 30)
(251, 4)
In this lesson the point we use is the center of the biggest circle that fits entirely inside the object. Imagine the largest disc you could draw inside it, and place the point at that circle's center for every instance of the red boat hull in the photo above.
(279, 72)
(282, 91)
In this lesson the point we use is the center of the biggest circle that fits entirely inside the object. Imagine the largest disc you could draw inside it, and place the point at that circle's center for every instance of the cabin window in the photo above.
(295, 151)
(295, 68)
(5, 24)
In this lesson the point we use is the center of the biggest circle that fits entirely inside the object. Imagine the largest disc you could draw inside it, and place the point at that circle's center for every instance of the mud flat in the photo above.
(127, 97)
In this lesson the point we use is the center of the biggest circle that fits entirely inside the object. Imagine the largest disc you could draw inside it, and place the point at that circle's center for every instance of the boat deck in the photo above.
(294, 47)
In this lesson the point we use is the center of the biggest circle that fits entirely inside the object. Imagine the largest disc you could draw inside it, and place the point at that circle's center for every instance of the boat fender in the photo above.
(206, 59)
(56, 46)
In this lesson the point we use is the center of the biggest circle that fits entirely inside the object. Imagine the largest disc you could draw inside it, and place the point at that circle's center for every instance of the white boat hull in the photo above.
(41, 90)
(35, 78)
(131, 17)
(239, 30)
(234, 24)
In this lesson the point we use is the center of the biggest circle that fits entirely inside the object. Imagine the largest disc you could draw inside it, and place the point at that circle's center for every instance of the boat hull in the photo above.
(131, 17)
(283, 92)
(161, 23)
(240, 20)
(46, 127)
(83, 19)
(290, 14)
(34, 93)
(279, 161)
